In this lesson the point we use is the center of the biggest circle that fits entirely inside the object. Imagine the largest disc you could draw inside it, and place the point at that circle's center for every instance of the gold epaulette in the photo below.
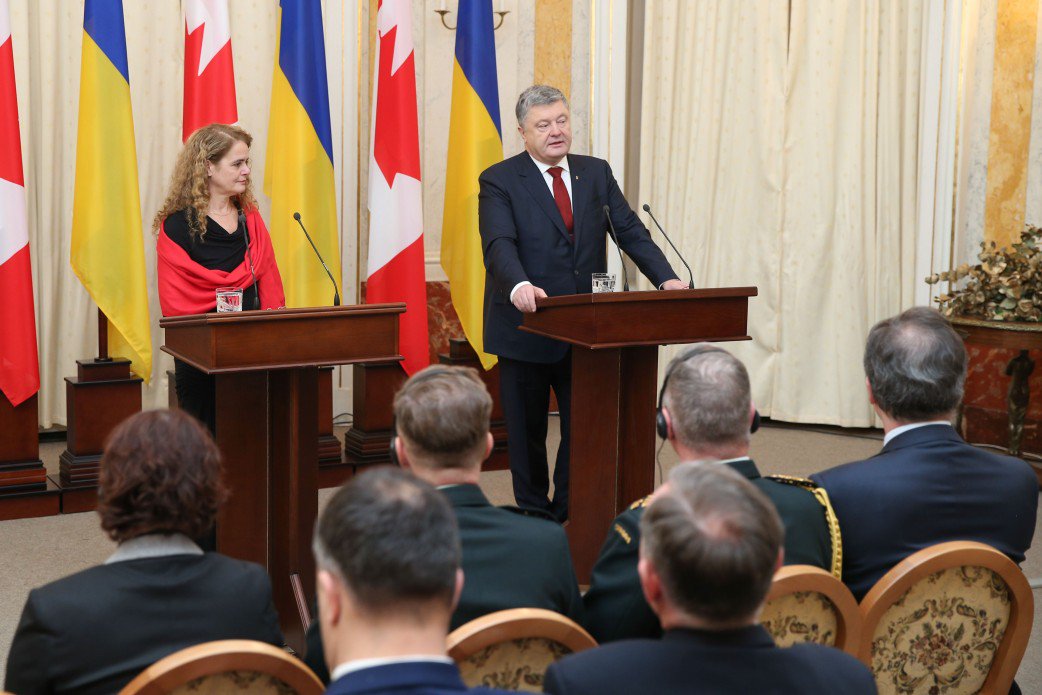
(623, 534)
(830, 516)
(642, 502)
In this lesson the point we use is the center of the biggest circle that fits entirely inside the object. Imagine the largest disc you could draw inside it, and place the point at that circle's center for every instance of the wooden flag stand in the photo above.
(101, 395)
(25, 489)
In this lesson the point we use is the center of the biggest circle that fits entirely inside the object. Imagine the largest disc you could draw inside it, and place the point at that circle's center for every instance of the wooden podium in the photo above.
(267, 367)
(615, 338)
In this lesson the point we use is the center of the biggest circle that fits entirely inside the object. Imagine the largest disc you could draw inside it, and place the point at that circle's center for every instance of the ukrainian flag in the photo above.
(108, 251)
(475, 143)
(298, 173)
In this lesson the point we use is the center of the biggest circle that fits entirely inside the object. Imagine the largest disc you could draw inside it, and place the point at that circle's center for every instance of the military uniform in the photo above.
(615, 606)
(511, 559)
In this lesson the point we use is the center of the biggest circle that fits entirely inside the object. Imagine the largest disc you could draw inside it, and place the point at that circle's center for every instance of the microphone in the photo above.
(249, 260)
(336, 292)
(625, 279)
(690, 276)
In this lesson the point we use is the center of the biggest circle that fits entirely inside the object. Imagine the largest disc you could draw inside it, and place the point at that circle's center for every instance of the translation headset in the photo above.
(427, 375)
(661, 424)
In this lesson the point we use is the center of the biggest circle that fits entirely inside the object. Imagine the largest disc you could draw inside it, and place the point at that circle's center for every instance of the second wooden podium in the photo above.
(266, 364)
(615, 338)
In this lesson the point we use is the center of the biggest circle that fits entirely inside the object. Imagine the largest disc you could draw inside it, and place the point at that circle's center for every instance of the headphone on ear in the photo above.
(661, 424)
(428, 374)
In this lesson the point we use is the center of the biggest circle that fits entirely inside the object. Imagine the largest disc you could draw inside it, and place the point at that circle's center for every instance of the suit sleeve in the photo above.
(498, 235)
(615, 607)
(634, 237)
(268, 628)
(573, 600)
(30, 655)
(552, 681)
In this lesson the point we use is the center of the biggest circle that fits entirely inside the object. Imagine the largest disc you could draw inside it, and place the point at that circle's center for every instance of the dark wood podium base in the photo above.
(25, 490)
(101, 395)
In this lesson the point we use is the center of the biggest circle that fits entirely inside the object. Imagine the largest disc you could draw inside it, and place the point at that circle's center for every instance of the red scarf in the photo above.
(185, 287)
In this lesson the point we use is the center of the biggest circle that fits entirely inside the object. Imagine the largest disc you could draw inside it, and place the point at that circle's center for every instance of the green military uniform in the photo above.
(615, 605)
(510, 560)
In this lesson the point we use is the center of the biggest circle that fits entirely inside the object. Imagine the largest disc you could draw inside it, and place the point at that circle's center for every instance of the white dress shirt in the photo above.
(897, 431)
(359, 664)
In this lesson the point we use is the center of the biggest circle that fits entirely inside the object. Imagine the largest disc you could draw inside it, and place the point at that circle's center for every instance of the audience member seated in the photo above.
(510, 560)
(93, 631)
(927, 485)
(388, 557)
(710, 544)
(706, 413)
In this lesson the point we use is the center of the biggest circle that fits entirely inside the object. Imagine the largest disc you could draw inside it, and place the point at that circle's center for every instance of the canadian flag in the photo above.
(209, 75)
(396, 270)
(19, 365)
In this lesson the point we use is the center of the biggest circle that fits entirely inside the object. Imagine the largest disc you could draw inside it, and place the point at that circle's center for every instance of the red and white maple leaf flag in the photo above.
(19, 365)
(209, 74)
(396, 268)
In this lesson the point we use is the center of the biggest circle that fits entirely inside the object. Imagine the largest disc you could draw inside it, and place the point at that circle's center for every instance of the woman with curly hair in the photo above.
(211, 235)
(93, 631)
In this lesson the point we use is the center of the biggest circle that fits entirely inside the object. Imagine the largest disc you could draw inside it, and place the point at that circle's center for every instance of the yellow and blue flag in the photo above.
(108, 250)
(475, 143)
(298, 173)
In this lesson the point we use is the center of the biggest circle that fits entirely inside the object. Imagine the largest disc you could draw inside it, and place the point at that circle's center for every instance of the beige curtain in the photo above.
(47, 38)
(779, 139)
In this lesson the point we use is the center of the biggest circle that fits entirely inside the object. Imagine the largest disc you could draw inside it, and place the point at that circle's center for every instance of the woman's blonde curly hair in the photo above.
(188, 187)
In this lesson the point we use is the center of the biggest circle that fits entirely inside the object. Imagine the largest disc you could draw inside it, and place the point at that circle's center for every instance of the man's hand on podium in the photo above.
(674, 285)
(525, 296)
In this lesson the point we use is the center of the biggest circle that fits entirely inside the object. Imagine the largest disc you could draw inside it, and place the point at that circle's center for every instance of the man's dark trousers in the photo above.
(524, 389)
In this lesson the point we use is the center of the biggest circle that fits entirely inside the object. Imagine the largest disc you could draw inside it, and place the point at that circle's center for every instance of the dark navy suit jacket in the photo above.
(523, 237)
(419, 677)
(702, 662)
(94, 631)
(928, 486)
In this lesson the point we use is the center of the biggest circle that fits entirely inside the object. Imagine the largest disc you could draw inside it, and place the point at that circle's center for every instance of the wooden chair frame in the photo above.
(516, 623)
(937, 558)
(794, 578)
(212, 658)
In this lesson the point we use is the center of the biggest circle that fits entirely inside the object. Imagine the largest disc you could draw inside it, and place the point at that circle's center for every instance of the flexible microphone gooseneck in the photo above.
(690, 275)
(625, 278)
(336, 292)
(249, 260)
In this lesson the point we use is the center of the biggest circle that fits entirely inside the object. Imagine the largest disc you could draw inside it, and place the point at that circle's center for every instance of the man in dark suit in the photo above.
(510, 559)
(710, 544)
(706, 413)
(94, 631)
(927, 485)
(543, 232)
(387, 554)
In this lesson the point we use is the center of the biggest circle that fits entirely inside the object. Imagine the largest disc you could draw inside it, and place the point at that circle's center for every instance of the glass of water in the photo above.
(229, 299)
(604, 282)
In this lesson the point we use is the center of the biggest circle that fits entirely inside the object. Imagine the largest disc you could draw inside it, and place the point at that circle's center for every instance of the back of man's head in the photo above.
(714, 541)
(391, 540)
(708, 400)
(916, 365)
(443, 414)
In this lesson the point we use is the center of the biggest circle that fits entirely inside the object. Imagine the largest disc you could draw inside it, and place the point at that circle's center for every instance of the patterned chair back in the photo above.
(512, 649)
(808, 604)
(227, 666)
(953, 618)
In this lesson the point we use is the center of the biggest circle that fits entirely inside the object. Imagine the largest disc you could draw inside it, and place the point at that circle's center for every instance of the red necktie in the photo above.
(564, 203)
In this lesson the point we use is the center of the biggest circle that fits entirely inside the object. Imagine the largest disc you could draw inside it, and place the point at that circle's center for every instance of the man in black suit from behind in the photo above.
(543, 233)
(706, 413)
(94, 631)
(387, 555)
(710, 544)
(510, 559)
(927, 485)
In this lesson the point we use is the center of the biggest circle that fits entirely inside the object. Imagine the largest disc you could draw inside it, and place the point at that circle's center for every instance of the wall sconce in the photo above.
(500, 13)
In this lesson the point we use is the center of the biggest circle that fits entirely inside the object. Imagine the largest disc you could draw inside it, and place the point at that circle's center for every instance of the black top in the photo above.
(216, 250)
